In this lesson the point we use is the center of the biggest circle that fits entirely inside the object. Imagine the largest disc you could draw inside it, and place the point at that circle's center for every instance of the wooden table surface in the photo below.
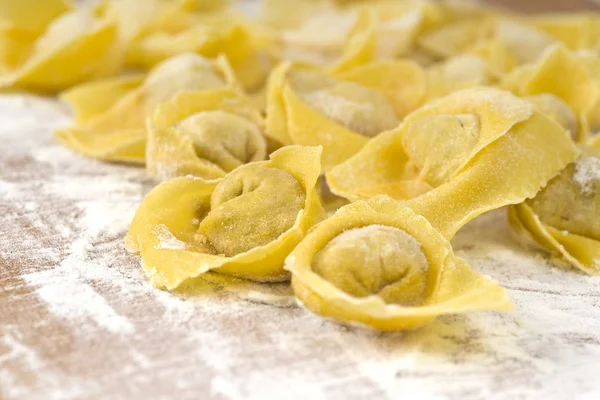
(78, 319)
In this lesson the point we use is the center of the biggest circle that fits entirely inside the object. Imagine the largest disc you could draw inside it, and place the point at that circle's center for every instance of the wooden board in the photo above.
(78, 319)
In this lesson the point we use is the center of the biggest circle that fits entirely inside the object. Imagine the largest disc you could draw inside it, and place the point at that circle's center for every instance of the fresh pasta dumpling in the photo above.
(564, 217)
(377, 263)
(205, 134)
(77, 46)
(456, 158)
(403, 83)
(225, 34)
(244, 224)
(247, 194)
(335, 40)
(357, 108)
(308, 107)
(565, 75)
(375, 259)
(116, 131)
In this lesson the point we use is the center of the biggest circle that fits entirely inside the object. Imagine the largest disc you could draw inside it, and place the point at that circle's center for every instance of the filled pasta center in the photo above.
(571, 201)
(251, 207)
(376, 260)
(224, 139)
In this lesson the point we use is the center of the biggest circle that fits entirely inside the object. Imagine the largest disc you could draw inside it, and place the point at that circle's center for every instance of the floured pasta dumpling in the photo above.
(245, 213)
(205, 134)
(224, 138)
(118, 131)
(375, 260)
(224, 33)
(403, 83)
(564, 74)
(77, 46)
(564, 217)
(334, 39)
(379, 264)
(242, 225)
(308, 107)
(357, 108)
(456, 158)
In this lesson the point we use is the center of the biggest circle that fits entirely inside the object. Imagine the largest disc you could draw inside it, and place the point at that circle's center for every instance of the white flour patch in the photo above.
(587, 173)
(67, 294)
(167, 240)
(75, 301)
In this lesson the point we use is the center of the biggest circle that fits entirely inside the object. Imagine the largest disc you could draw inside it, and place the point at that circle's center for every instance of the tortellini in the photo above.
(564, 217)
(205, 134)
(77, 46)
(377, 263)
(226, 35)
(334, 40)
(470, 152)
(244, 224)
(563, 74)
(116, 131)
(308, 107)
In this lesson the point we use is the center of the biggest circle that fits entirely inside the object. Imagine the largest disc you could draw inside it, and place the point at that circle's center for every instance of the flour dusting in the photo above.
(587, 173)
(167, 240)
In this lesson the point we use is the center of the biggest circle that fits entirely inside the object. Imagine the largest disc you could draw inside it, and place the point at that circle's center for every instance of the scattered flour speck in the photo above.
(587, 172)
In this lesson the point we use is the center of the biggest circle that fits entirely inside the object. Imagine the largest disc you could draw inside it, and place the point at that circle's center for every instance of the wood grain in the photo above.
(85, 324)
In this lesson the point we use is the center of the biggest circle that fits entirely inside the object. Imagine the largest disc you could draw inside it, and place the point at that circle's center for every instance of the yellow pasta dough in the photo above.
(465, 154)
(377, 263)
(308, 107)
(243, 225)
(116, 131)
(556, 109)
(205, 134)
(563, 217)
(77, 46)
(563, 74)
(21, 23)
(577, 31)
(336, 41)
(31, 15)
(456, 73)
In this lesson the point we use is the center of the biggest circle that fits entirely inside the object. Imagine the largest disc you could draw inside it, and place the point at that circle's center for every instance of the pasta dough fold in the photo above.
(242, 225)
(563, 217)
(115, 130)
(456, 158)
(406, 274)
(205, 134)
(308, 107)
(77, 46)
(565, 75)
